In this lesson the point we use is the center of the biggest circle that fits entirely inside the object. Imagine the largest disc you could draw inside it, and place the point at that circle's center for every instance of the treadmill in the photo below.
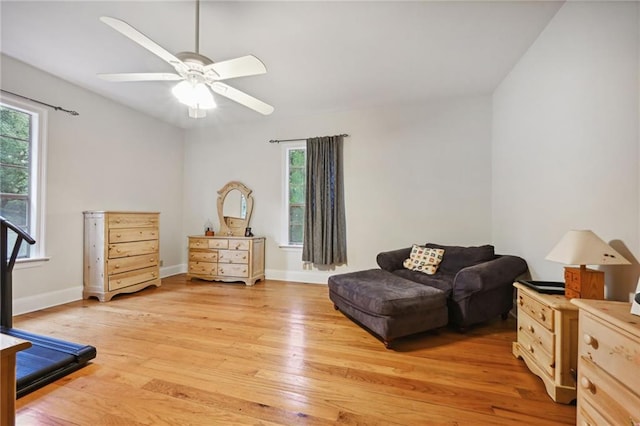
(47, 359)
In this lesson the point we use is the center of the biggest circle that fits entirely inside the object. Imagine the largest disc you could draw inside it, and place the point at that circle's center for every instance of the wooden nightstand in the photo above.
(547, 340)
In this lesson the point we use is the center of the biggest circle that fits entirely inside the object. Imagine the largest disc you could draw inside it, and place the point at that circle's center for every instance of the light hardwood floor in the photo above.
(202, 353)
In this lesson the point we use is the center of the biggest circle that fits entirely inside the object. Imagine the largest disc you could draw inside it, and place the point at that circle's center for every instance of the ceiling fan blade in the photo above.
(241, 98)
(141, 76)
(238, 67)
(144, 41)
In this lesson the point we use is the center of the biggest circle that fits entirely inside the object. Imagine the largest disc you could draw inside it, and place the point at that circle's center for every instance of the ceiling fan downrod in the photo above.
(198, 26)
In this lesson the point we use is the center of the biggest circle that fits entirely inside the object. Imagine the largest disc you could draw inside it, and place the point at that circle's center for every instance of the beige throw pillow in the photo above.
(424, 259)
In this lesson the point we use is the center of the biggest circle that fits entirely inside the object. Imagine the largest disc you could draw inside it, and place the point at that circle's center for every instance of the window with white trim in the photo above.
(294, 182)
(22, 147)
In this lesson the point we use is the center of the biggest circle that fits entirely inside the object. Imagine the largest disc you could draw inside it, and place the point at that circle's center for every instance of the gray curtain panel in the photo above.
(325, 241)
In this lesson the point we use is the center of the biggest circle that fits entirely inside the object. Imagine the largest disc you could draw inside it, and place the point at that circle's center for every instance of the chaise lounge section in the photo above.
(471, 285)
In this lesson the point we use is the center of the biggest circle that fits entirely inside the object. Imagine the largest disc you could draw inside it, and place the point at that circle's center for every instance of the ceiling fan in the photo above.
(196, 72)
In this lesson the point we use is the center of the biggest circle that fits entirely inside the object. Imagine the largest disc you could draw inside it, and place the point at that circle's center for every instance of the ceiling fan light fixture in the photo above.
(195, 95)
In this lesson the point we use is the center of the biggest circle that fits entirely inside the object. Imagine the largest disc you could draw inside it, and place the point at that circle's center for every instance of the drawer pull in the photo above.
(530, 348)
(521, 301)
(117, 266)
(589, 340)
(118, 236)
(531, 329)
(587, 384)
(542, 316)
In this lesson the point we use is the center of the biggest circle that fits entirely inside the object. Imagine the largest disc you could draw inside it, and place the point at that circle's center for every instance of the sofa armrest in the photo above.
(392, 260)
(496, 273)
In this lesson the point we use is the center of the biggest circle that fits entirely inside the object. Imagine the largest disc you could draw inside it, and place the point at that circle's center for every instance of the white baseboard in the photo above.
(167, 271)
(28, 304)
(310, 277)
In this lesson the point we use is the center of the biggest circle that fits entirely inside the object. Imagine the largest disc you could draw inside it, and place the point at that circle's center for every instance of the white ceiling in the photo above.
(320, 56)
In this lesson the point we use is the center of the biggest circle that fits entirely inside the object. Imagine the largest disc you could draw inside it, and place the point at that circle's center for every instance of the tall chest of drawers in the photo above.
(608, 364)
(548, 340)
(226, 258)
(121, 253)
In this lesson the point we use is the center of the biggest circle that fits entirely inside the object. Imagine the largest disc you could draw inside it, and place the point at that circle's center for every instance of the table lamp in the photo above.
(583, 247)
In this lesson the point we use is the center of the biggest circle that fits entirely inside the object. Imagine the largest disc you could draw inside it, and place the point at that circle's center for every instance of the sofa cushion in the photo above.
(442, 281)
(456, 257)
(380, 292)
(422, 259)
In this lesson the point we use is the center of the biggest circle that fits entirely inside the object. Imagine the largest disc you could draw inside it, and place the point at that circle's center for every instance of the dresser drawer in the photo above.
(125, 235)
(203, 268)
(608, 397)
(238, 245)
(218, 243)
(233, 256)
(617, 352)
(536, 310)
(124, 264)
(588, 416)
(537, 332)
(203, 256)
(129, 220)
(131, 278)
(132, 249)
(541, 357)
(233, 270)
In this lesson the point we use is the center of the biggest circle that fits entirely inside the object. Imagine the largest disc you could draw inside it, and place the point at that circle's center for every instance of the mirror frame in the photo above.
(234, 226)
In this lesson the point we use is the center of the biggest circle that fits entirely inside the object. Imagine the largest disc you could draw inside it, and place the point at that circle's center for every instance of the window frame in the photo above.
(37, 173)
(287, 147)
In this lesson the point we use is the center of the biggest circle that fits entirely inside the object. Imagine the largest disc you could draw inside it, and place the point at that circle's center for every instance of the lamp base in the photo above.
(583, 283)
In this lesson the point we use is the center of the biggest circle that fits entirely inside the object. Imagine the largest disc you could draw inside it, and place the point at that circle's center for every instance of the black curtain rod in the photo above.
(293, 140)
(57, 108)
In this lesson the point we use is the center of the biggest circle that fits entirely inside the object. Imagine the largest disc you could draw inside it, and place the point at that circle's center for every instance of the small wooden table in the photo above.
(548, 340)
(9, 346)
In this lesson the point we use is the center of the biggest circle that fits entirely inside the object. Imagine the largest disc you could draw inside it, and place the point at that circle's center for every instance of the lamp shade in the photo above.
(583, 247)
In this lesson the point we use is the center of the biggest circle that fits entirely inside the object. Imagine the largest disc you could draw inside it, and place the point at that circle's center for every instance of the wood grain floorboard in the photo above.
(277, 353)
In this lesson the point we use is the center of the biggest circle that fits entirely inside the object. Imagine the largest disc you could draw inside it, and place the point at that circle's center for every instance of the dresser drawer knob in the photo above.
(531, 329)
(589, 340)
(542, 316)
(587, 384)
(117, 266)
(530, 348)
(521, 301)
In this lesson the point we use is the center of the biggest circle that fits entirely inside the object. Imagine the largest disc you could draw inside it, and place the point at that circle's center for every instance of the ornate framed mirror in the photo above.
(235, 204)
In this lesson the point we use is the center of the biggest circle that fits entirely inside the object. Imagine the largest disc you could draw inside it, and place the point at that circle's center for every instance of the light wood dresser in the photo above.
(548, 340)
(608, 364)
(121, 251)
(226, 258)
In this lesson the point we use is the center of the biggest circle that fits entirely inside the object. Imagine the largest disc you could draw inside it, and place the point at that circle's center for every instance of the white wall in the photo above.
(416, 173)
(107, 158)
(566, 137)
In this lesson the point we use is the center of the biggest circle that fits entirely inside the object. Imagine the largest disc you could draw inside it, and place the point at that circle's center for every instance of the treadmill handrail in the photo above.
(6, 268)
(5, 223)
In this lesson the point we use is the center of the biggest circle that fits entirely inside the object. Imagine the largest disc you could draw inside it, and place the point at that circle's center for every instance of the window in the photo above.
(295, 181)
(22, 170)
